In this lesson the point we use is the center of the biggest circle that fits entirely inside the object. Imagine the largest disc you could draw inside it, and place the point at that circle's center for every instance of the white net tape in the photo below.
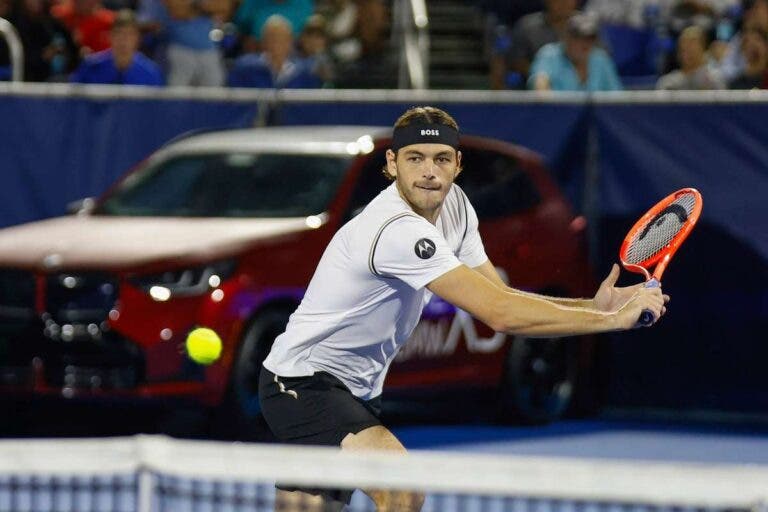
(155, 473)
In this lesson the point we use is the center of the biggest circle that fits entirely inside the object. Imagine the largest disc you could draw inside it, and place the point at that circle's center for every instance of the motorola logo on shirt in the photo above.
(425, 248)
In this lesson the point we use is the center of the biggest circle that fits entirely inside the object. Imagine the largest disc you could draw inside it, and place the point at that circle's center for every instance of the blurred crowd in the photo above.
(533, 44)
(240, 43)
(635, 44)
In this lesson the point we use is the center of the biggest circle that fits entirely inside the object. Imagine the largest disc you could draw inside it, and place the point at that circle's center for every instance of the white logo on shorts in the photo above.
(430, 132)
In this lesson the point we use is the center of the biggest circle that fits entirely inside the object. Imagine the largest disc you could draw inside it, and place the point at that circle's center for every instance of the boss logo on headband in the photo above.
(430, 132)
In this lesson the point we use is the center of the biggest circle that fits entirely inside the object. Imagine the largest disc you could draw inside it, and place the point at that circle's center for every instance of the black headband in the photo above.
(424, 134)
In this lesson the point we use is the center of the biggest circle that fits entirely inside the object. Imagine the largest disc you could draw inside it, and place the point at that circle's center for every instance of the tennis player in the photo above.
(321, 383)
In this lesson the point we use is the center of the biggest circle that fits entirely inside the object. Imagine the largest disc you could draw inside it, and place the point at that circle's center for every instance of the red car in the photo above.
(224, 230)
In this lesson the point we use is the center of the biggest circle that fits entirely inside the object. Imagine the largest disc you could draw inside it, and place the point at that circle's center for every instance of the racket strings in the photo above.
(660, 230)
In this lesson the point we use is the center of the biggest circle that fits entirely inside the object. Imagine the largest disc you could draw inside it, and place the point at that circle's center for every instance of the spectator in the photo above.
(510, 64)
(576, 63)
(628, 13)
(191, 57)
(252, 15)
(674, 14)
(755, 16)
(313, 48)
(694, 72)
(88, 22)
(276, 66)
(49, 51)
(369, 64)
(122, 63)
(754, 47)
(341, 16)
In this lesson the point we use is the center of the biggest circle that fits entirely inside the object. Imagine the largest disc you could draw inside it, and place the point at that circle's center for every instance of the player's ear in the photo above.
(391, 163)
(459, 168)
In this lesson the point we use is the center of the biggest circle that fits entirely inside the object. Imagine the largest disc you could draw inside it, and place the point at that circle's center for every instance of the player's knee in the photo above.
(396, 501)
(417, 500)
(296, 501)
(373, 438)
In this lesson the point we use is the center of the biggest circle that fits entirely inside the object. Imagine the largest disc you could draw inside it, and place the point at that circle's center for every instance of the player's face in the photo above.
(424, 175)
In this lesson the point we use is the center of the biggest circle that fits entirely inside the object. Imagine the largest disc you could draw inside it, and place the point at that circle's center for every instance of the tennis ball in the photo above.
(203, 345)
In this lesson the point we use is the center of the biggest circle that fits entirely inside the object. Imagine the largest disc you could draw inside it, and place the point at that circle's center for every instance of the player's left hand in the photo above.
(611, 298)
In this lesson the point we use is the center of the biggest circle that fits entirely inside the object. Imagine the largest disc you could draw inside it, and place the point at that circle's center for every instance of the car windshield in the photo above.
(229, 185)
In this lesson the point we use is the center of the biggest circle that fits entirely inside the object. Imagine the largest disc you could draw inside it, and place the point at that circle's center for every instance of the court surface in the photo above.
(605, 439)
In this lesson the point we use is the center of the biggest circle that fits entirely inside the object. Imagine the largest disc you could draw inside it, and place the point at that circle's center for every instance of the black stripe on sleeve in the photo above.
(389, 221)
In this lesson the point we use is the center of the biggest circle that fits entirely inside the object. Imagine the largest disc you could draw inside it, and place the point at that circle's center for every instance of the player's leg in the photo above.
(298, 501)
(307, 410)
(381, 439)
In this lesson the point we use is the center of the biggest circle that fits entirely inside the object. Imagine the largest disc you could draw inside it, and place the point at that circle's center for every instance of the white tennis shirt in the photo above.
(368, 290)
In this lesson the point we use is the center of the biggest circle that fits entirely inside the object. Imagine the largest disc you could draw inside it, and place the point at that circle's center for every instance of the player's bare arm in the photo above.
(608, 298)
(529, 315)
(489, 270)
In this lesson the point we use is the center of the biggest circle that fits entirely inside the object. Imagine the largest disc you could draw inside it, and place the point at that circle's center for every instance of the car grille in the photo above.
(79, 303)
(17, 295)
(71, 340)
(111, 362)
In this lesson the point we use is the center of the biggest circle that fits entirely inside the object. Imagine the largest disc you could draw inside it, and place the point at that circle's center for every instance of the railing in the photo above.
(411, 35)
(16, 50)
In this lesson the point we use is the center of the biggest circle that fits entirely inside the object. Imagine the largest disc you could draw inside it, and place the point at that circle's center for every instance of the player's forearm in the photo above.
(529, 315)
(562, 301)
(489, 272)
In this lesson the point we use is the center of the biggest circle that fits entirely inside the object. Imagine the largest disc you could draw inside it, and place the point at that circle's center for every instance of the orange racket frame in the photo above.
(661, 259)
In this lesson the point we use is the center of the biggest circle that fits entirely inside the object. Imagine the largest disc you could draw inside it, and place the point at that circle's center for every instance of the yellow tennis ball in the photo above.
(203, 345)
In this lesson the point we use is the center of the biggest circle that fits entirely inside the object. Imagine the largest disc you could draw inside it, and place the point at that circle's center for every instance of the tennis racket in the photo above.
(655, 238)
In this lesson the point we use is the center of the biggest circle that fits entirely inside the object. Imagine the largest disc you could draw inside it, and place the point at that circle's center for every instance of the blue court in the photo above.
(605, 439)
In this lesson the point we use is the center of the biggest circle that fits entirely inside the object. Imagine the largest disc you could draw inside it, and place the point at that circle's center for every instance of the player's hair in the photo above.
(426, 115)
(422, 115)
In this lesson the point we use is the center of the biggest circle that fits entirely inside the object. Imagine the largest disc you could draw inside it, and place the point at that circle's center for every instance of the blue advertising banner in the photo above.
(702, 356)
(57, 150)
(648, 151)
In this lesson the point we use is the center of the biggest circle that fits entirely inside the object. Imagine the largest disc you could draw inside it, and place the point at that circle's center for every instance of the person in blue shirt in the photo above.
(277, 66)
(181, 32)
(122, 63)
(576, 63)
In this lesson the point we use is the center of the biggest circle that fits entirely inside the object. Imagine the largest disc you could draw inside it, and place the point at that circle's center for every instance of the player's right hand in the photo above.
(651, 299)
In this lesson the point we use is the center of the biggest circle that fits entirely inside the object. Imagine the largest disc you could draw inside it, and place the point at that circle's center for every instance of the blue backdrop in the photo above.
(707, 354)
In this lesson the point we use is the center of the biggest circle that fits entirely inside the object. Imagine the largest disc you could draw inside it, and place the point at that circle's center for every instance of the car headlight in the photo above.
(184, 282)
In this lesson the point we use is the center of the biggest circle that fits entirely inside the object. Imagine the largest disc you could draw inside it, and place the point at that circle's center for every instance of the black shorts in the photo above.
(314, 410)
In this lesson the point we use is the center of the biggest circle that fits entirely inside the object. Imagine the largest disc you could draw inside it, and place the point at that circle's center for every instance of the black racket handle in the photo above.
(646, 317)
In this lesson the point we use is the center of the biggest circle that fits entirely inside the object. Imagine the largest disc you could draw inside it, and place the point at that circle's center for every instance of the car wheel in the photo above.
(539, 379)
(241, 416)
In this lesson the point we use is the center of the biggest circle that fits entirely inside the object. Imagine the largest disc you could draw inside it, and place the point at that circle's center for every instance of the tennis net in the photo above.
(161, 474)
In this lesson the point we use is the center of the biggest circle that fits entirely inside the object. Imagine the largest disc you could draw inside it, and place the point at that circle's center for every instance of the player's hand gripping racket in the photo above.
(655, 238)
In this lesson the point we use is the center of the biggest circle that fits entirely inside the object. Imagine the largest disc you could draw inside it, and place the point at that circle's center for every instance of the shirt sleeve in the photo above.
(609, 76)
(543, 64)
(472, 251)
(411, 249)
